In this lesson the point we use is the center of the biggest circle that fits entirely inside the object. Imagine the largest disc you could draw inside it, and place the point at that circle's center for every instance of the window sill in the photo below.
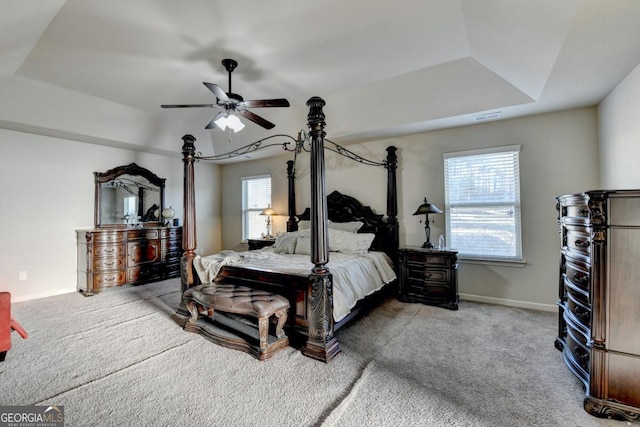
(497, 262)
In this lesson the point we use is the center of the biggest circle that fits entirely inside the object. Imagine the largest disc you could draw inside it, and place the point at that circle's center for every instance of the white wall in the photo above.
(559, 155)
(620, 135)
(47, 192)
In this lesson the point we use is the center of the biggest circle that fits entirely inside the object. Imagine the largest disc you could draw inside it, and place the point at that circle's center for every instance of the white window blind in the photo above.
(482, 203)
(256, 197)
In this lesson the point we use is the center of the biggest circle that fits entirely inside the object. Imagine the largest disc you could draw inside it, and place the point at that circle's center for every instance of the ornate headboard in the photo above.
(343, 208)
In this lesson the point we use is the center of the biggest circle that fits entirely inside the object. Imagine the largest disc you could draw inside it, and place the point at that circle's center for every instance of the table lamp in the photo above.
(425, 209)
(269, 213)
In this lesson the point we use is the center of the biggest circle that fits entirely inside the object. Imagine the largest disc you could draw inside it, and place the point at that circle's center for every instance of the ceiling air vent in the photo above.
(488, 116)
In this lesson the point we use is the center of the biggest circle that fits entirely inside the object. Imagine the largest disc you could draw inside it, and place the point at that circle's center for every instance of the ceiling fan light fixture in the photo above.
(234, 123)
(230, 121)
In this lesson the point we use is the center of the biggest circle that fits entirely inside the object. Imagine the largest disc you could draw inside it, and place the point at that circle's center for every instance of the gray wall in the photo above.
(559, 155)
(620, 135)
(48, 192)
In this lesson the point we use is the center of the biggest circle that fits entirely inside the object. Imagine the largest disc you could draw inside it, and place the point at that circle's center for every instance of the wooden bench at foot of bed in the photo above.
(228, 314)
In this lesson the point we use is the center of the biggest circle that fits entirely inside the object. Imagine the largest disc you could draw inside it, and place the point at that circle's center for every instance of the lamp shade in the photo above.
(427, 208)
(168, 213)
(268, 211)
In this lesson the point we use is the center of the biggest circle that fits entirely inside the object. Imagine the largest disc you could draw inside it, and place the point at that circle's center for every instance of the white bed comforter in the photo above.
(354, 275)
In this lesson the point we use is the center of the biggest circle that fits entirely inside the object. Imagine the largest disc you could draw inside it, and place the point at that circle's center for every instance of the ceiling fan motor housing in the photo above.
(229, 64)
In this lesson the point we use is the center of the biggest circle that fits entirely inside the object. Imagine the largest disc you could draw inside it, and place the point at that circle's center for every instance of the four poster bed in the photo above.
(339, 223)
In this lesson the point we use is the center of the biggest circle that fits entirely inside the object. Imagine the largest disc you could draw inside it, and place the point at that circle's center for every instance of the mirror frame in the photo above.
(130, 169)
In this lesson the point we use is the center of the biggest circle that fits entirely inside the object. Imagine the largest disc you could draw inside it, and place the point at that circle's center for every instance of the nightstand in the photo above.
(260, 243)
(429, 276)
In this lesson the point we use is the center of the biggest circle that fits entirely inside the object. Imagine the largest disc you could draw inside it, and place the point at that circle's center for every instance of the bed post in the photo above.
(189, 222)
(321, 344)
(393, 233)
(292, 224)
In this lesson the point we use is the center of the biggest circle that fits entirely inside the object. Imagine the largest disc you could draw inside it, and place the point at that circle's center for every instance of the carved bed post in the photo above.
(393, 232)
(321, 345)
(189, 225)
(292, 224)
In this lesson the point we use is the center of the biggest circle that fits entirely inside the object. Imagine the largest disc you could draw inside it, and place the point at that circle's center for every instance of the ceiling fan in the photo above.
(233, 103)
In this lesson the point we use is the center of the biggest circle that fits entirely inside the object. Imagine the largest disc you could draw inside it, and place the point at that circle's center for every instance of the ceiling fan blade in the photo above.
(211, 124)
(260, 103)
(217, 91)
(256, 119)
(190, 106)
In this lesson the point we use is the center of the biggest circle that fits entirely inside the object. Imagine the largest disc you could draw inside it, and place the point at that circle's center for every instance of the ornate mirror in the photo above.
(128, 195)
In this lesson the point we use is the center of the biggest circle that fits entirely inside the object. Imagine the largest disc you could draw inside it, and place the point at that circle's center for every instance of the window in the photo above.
(482, 203)
(256, 197)
(131, 206)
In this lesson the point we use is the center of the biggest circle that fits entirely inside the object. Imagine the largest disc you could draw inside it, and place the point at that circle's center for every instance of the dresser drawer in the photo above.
(143, 273)
(172, 269)
(577, 272)
(115, 278)
(580, 311)
(171, 245)
(108, 237)
(578, 240)
(108, 263)
(108, 251)
(574, 208)
(142, 234)
(171, 233)
(578, 351)
(173, 256)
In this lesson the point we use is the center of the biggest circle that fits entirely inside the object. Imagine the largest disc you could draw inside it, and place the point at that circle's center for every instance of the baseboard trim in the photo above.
(30, 297)
(509, 302)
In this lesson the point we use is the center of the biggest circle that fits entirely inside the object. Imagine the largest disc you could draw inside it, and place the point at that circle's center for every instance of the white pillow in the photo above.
(286, 244)
(303, 246)
(304, 225)
(350, 243)
(351, 226)
(280, 236)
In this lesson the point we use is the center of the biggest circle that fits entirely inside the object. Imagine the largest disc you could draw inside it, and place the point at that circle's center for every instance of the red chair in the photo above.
(7, 324)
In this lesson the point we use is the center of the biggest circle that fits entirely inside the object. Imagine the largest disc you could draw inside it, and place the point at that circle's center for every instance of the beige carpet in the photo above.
(120, 358)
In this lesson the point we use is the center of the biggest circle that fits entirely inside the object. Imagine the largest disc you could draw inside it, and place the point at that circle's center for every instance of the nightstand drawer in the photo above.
(259, 243)
(437, 291)
(431, 275)
(429, 259)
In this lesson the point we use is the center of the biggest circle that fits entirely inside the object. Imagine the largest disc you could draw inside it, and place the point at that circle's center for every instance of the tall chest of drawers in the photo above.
(118, 256)
(429, 276)
(599, 298)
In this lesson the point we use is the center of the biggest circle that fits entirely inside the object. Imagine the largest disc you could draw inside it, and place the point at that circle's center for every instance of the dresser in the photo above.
(119, 256)
(599, 298)
(429, 276)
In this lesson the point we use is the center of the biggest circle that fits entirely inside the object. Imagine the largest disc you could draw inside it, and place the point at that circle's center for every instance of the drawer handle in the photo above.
(581, 355)
(582, 243)
(583, 211)
(109, 279)
(582, 315)
(110, 263)
(580, 279)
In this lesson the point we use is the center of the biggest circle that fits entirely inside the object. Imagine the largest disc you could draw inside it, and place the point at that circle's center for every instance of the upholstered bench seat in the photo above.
(240, 300)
